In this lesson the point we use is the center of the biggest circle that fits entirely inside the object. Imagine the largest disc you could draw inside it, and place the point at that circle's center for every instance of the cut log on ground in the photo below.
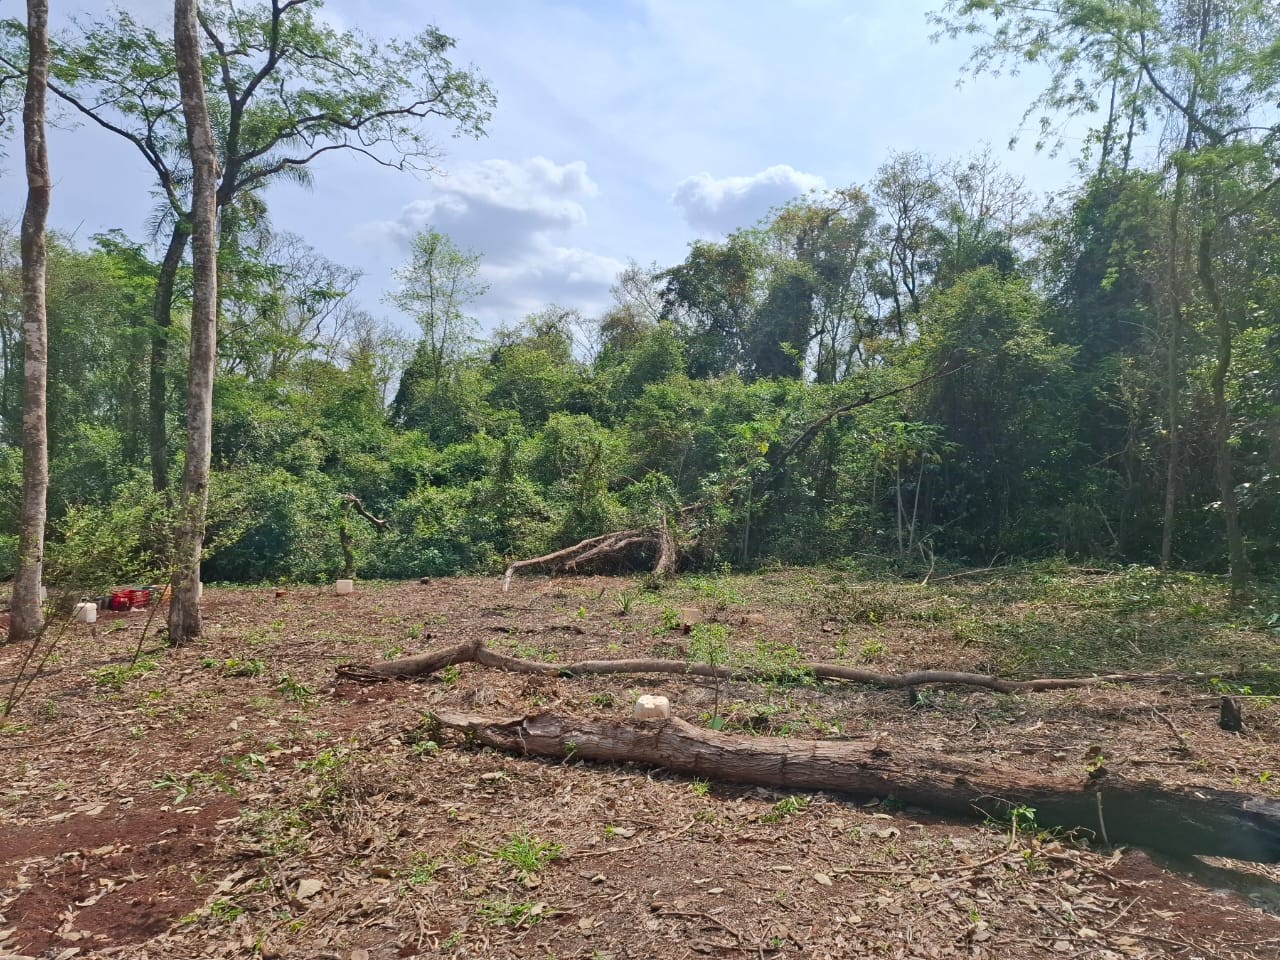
(1178, 821)
(474, 651)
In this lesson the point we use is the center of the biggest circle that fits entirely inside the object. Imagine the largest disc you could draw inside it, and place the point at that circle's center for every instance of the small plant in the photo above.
(873, 649)
(1022, 819)
(116, 676)
(277, 831)
(424, 748)
(293, 689)
(511, 913)
(424, 869)
(450, 674)
(786, 807)
(700, 787)
(328, 767)
(247, 766)
(527, 854)
(225, 910)
(184, 785)
(709, 644)
(625, 600)
(235, 666)
(668, 621)
(780, 662)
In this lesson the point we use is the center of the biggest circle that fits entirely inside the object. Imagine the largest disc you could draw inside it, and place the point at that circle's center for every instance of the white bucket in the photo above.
(86, 613)
(343, 587)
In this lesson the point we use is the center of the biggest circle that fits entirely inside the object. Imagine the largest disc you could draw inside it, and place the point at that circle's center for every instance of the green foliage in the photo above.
(786, 807)
(513, 913)
(115, 677)
(528, 854)
(237, 667)
(1022, 360)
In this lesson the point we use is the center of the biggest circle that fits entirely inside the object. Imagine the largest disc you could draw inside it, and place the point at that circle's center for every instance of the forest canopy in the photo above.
(1097, 375)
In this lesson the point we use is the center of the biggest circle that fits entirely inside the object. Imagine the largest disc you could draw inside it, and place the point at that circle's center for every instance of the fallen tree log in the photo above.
(1181, 821)
(593, 548)
(475, 651)
(611, 545)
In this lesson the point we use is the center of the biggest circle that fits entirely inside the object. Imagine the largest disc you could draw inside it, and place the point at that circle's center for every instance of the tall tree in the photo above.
(821, 285)
(184, 606)
(1212, 71)
(26, 610)
(437, 286)
(287, 88)
(907, 193)
(712, 297)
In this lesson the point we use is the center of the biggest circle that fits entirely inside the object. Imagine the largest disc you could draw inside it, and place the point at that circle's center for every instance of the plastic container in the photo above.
(86, 613)
(649, 707)
(343, 587)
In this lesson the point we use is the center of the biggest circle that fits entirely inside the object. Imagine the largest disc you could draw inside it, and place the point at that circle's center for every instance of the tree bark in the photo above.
(1222, 412)
(1172, 384)
(26, 611)
(158, 384)
(1172, 373)
(1178, 820)
(184, 607)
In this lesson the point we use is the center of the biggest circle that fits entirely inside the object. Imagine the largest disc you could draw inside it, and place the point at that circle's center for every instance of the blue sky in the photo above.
(624, 130)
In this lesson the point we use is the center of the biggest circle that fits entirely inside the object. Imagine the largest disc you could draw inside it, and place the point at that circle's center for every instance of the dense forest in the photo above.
(935, 365)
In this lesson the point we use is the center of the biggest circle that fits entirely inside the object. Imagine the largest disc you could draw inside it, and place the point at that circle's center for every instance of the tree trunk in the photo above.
(158, 386)
(184, 607)
(1222, 412)
(1172, 374)
(1178, 820)
(26, 610)
(1172, 384)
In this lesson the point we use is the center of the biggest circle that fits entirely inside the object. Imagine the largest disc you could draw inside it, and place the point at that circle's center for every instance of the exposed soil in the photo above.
(232, 801)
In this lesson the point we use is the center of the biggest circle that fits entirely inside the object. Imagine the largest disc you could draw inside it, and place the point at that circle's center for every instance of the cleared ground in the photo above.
(228, 800)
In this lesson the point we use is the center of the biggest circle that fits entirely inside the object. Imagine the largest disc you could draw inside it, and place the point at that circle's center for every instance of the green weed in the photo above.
(116, 676)
(528, 854)
(510, 913)
(786, 807)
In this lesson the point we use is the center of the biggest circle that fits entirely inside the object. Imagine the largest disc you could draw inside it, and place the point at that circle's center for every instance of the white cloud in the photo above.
(719, 205)
(516, 214)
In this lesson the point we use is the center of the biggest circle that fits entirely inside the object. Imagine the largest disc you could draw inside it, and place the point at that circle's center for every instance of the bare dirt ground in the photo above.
(228, 799)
